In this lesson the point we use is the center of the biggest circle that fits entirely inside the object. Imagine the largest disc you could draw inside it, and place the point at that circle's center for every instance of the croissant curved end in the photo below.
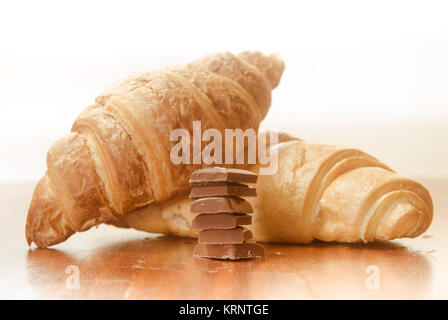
(43, 224)
(404, 221)
(271, 65)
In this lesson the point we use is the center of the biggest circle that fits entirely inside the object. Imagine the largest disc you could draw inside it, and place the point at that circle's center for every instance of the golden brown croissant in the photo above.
(117, 157)
(320, 191)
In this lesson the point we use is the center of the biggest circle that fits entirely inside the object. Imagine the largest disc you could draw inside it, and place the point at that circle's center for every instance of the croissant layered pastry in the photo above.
(117, 157)
(320, 191)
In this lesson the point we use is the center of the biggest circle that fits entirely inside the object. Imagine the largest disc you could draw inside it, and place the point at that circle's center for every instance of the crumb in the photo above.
(137, 266)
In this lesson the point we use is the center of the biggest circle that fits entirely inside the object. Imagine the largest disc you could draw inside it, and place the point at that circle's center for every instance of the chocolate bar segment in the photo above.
(221, 205)
(228, 236)
(222, 189)
(223, 174)
(220, 221)
(221, 212)
(230, 251)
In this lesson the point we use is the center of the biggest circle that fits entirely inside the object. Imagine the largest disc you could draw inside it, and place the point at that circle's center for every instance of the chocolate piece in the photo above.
(223, 174)
(221, 212)
(222, 189)
(230, 251)
(220, 221)
(228, 236)
(221, 205)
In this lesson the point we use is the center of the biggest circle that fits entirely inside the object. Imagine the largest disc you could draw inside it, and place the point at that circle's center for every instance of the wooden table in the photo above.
(115, 264)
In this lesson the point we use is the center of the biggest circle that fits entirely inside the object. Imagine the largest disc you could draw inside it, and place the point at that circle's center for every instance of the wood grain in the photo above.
(127, 264)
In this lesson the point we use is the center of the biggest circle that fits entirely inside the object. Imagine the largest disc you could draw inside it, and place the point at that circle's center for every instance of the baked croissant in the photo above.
(320, 191)
(117, 157)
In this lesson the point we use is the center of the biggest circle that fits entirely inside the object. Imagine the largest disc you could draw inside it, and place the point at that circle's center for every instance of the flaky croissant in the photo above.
(117, 157)
(320, 191)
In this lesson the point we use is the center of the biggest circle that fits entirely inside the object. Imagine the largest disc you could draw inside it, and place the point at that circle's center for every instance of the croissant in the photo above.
(320, 191)
(117, 157)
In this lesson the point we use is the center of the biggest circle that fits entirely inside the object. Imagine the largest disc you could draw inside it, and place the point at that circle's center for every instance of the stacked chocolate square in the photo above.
(221, 213)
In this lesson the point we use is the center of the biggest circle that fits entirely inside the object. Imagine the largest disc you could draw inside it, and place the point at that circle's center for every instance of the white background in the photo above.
(369, 74)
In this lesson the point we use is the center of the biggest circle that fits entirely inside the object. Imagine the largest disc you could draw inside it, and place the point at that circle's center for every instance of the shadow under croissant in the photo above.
(164, 268)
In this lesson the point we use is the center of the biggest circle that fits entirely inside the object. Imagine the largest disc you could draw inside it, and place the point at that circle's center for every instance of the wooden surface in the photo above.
(115, 263)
